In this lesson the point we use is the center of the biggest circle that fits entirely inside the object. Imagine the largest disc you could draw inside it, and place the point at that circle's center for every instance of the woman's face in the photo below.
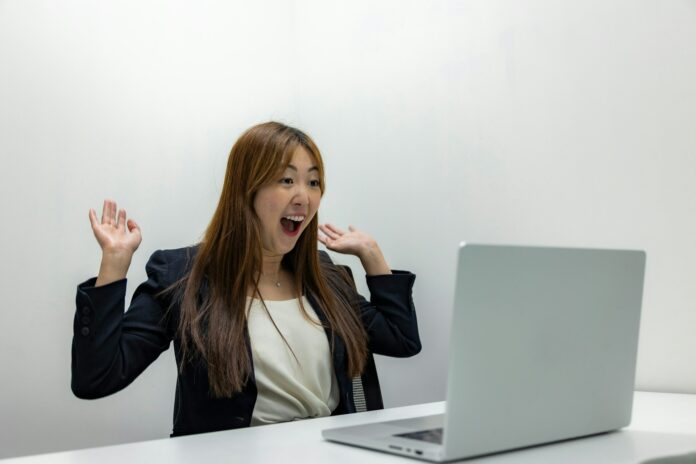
(286, 206)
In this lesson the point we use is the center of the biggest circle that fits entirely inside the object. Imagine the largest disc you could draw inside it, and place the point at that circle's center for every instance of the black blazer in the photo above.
(111, 348)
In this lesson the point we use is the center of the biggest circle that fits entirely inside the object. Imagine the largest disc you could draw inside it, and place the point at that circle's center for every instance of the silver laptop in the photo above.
(543, 348)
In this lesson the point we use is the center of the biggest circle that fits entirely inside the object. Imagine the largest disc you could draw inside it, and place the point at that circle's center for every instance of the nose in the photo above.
(301, 197)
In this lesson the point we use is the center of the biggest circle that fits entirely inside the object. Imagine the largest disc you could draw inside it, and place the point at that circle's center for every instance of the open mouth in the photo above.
(291, 224)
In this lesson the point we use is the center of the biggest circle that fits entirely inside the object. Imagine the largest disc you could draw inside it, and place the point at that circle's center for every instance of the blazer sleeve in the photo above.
(111, 348)
(390, 315)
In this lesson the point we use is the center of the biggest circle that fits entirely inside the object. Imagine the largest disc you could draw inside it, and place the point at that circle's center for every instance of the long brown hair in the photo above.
(212, 324)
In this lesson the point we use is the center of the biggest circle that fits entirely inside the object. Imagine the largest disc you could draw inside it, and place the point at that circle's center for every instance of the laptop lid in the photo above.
(543, 345)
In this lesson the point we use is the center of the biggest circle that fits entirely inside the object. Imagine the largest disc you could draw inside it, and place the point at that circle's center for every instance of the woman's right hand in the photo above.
(118, 239)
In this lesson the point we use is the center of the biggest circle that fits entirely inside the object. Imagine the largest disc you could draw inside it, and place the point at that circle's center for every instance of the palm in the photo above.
(351, 242)
(113, 232)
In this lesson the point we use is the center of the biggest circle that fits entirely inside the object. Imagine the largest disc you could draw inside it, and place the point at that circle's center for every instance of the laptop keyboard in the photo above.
(431, 436)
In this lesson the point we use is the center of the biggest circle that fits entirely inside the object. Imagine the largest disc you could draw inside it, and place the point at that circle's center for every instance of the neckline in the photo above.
(276, 301)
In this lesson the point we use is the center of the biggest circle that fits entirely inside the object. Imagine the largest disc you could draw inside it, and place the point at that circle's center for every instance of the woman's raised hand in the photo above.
(111, 232)
(118, 239)
(355, 242)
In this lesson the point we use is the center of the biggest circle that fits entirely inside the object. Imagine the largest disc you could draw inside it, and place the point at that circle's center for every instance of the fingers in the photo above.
(112, 213)
(93, 218)
(112, 216)
(327, 234)
(105, 212)
(328, 243)
(121, 224)
(334, 229)
(135, 234)
(331, 231)
(326, 240)
(133, 226)
(109, 213)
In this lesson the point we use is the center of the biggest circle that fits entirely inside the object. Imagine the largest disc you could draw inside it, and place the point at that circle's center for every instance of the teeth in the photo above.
(295, 218)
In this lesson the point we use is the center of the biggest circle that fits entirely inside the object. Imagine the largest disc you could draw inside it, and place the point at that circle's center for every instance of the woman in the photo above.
(265, 327)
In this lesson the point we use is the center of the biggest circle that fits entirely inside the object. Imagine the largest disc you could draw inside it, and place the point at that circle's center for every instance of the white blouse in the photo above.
(290, 387)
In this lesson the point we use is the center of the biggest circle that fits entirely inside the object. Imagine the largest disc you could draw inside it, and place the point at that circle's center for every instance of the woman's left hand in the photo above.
(355, 242)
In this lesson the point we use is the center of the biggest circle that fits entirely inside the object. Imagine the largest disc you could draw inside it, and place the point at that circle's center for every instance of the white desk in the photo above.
(662, 424)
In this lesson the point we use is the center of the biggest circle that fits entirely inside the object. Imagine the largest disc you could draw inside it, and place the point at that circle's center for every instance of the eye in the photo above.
(286, 181)
(314, 183)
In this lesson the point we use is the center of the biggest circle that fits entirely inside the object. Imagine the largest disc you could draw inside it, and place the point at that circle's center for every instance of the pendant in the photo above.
(278, 283)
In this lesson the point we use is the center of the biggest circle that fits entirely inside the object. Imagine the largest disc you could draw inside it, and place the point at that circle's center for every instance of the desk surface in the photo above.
(663, 424)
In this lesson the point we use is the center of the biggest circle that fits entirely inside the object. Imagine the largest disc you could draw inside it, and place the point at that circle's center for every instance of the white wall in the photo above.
(536, 121)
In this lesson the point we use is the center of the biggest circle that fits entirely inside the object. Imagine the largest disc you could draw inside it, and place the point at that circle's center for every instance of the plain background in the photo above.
(525, 121)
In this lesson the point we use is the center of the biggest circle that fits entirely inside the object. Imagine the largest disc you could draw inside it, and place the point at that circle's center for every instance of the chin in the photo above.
(283, 250)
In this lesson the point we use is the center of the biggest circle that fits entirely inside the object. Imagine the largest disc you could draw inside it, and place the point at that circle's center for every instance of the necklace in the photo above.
(276, 279)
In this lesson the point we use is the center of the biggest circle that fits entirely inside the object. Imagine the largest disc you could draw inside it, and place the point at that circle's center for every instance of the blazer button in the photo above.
(84, 331)
(86, 310)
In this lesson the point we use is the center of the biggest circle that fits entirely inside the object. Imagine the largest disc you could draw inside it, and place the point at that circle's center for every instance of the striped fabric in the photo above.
(359, 395)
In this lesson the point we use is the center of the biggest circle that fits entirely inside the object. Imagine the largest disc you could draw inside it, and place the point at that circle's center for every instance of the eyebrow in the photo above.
(294, 168)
